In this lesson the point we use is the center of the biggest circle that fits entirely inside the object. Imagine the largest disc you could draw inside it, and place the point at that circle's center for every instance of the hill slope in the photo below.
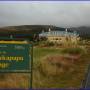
(31, 30)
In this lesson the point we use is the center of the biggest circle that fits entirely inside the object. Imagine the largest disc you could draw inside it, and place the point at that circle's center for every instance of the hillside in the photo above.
(83, 31)
(29, 31)
(26, 31)
(31, 28)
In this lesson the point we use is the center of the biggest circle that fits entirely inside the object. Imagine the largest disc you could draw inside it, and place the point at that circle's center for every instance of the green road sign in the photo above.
(15, 57)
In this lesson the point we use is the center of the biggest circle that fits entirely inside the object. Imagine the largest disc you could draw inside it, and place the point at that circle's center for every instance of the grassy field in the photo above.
(67, 79)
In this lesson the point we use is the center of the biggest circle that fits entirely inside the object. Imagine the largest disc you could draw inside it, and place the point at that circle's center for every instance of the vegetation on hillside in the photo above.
(33, 30)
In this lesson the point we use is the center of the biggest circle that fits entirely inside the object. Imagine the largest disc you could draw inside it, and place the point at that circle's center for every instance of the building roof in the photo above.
(58, 33)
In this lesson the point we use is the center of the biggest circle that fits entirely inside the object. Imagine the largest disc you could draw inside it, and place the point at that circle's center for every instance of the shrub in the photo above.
(35, 43)
(43, 38)
(46, 43)
(50, 44)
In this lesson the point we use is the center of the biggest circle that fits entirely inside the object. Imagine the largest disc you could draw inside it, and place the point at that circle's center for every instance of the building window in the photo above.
(56, 38)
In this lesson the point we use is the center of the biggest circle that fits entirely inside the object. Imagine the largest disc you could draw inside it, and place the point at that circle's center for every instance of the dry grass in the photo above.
(55, 65)
(56, 70)
(13, 80)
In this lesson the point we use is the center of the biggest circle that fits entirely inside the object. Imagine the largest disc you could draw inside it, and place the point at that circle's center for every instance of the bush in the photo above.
(50, 44)
(35, 43)
(46, 43)
(43, 38)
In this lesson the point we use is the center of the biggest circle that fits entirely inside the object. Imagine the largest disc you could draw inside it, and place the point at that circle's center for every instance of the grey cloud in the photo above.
(54, 13)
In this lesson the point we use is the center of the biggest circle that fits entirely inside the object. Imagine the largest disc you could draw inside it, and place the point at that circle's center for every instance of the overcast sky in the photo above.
(63, 14)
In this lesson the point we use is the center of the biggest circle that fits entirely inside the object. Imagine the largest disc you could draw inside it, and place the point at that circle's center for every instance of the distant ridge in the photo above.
(32, 27)
(84, 31)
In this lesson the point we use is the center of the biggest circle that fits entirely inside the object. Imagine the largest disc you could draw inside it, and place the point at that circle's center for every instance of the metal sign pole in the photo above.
(31, 67)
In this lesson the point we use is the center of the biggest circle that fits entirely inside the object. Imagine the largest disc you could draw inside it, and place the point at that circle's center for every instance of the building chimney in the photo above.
(49, 30)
